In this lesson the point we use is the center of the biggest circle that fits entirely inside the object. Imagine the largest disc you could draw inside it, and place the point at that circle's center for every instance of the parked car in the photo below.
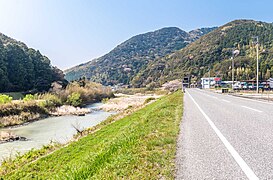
(251, 86)
(236, 87)
(245, 86)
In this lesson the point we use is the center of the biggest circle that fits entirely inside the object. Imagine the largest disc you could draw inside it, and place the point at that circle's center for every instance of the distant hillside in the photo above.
(214, 51)
(23, 68)
(126, 60)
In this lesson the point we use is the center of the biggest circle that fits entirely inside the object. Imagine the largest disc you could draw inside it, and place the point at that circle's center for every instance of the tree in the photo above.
(267, 74)
(24, 69)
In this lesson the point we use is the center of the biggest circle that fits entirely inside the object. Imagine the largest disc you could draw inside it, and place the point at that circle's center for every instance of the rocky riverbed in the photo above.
(70, 110)
(10, 137)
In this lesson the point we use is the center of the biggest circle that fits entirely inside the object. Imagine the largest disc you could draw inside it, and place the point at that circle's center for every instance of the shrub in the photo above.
(5, 99)
(74, 99)
(149, 100)
(28, 97)
(105, 100)
(54, 99)
(49, 101)
(151, 86)
(90, 93)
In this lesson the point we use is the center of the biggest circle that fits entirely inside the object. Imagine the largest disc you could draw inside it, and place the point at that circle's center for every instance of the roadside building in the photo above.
(186, 82)
(207, 83)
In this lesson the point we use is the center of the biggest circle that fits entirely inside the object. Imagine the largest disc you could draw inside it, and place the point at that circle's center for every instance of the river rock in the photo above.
(9, 137)
(4, 135)
(70, 110)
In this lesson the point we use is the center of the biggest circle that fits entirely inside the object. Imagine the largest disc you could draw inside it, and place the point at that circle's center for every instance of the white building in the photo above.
(208, 82)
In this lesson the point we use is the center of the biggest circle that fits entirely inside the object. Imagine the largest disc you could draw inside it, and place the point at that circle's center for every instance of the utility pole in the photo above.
(234, 54)
(209, 78)
(232, 72)
(257, 51)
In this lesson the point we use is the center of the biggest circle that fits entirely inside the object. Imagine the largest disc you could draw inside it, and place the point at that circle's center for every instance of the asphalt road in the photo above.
(224, 137)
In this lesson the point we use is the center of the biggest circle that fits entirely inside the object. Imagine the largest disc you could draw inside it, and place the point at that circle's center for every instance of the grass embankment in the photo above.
(139, 146)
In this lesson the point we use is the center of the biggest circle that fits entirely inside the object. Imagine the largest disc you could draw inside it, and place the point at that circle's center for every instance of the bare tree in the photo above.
(78, 128)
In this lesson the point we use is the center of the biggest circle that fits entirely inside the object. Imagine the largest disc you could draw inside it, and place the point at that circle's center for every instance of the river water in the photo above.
(57, 129)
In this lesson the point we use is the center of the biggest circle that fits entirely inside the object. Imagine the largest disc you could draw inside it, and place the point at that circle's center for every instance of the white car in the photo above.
(236, 87)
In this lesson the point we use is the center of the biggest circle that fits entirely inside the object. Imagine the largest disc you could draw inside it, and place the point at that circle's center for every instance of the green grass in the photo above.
(139, 146)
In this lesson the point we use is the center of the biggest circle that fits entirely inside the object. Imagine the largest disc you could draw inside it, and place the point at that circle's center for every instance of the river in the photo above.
(42, 132)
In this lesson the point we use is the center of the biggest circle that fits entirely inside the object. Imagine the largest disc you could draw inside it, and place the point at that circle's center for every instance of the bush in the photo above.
(5, 99)
(49, 100)
(90, 93)
(105, 100)
(149, 100)
(54, 99)
(74, 99)
(28, 97)
(151, 86)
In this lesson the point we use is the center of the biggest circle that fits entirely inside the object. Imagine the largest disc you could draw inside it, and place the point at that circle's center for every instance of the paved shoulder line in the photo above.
(246, 169)
(252, 109)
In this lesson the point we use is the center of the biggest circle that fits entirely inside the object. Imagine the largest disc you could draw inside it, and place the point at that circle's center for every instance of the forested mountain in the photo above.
(214, 51)
(23, 68)
(126, 60)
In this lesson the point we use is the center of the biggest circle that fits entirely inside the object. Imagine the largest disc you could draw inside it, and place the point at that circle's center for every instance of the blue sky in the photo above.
(71, 32)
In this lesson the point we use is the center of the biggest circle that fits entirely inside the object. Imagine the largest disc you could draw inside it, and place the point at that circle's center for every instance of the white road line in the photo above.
(225, 100)
(248, 99)
(246, 169)
(211, 96)
(243, 98)
(252, 109)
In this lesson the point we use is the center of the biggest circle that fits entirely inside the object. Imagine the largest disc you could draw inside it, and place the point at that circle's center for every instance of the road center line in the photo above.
(225, 100)
(211, 96)
(252, 109)
(246, 169)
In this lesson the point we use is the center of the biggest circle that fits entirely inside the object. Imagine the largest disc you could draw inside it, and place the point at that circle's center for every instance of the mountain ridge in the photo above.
(132, 55)
(23, 68)
(213, 51)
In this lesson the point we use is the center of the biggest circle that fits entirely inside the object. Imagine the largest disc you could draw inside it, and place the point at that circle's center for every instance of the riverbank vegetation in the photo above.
(15, 113)
(37, 106)
(141, 145)
(122, 102)
(132, 91)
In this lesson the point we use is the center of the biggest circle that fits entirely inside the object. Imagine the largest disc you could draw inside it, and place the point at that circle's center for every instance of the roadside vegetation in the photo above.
(139, 146)
(132, 91)
(33, 107)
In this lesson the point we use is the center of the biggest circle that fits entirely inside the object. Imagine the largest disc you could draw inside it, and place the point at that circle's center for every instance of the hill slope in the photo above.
(214, 51)
(23, 68)
(127, 59)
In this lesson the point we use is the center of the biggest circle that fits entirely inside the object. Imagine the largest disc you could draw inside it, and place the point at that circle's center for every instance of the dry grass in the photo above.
(122, 102)
(20, 112)
(89, 93)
